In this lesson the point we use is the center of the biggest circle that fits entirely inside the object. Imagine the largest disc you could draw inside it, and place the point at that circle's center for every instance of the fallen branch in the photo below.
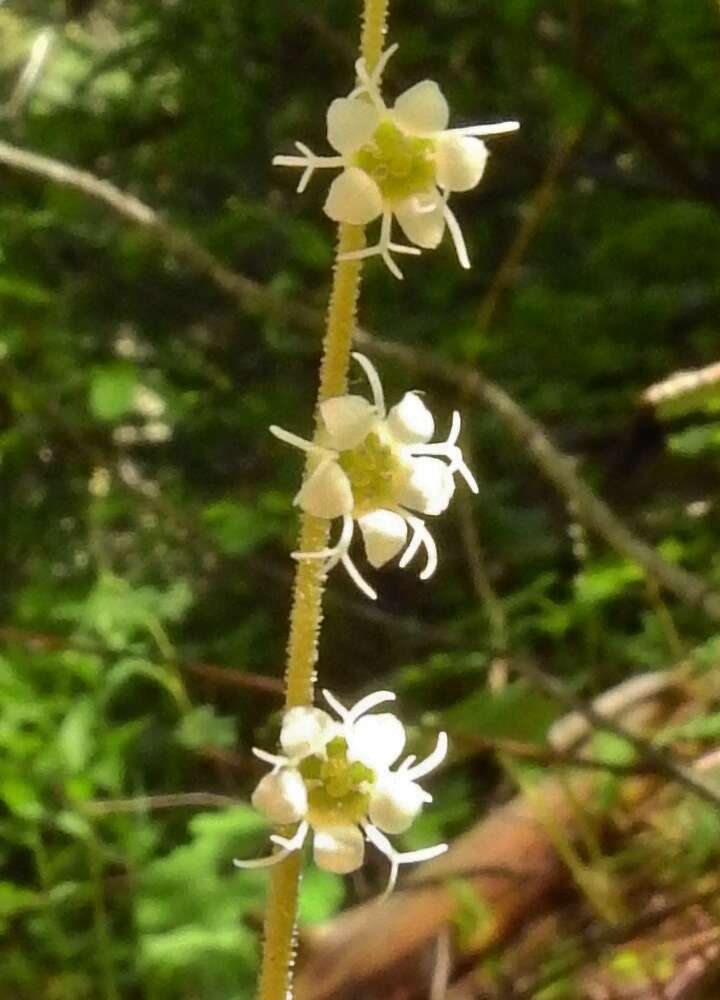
(249, 295)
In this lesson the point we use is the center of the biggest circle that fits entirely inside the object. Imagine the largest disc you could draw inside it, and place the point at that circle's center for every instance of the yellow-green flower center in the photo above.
(401, 165)
(376, 474)
(336, 786)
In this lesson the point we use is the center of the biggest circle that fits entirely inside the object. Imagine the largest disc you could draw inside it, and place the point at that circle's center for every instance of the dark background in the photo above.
(145, 534)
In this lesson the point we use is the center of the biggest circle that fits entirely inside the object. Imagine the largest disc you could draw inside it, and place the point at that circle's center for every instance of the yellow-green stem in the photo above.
(375, 13)
(306, 613)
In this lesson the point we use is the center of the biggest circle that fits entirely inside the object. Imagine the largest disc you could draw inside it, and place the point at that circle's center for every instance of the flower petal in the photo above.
(281, 797)
(339, 849)
(354, 197)
(422, 108)
(384, 533)
(350, 123)
(348, 420)
(306, 731)
(421, 218)
(429, 488)
(460, 162)
(410, 420)
(326, 492)
(395, 802)
(376, 740)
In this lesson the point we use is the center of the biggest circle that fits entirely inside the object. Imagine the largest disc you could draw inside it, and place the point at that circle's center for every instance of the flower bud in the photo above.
(348, 420)
(422, 108)
(410, 420)
(350, 123)
(377, 740)
(354, 197)
(384, 533)
(339, 849)
(281, 797)
(429, 488)
(326, 492)
(460, 162)
(305, 731)
(395, 802)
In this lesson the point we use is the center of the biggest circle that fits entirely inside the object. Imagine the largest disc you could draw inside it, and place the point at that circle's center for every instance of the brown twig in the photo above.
(227, 676)
(249, 295)
(476, 560)
(650, 755)
(549, 756)
(558, 468)
(150, 803)
(540, 203)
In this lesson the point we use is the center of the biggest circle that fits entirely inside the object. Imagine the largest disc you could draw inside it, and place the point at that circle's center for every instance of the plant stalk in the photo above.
(306, 612)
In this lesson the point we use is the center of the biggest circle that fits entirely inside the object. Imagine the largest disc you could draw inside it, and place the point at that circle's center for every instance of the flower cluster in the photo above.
(335, 778)
(379, 469)
(402, 161)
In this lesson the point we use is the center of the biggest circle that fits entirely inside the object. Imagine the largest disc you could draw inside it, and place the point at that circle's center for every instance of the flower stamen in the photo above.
(433, 759)
(397, 858)
(287, 847)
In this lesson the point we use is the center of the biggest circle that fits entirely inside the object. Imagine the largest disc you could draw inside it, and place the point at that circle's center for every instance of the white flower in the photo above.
(378, 469)
(402, 161)
(336, 779)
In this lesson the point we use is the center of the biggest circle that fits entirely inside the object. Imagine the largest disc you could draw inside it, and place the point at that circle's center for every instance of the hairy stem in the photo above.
(375, 13)
(306, 612)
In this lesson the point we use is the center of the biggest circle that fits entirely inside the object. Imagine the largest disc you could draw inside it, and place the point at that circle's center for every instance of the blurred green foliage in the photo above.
(146, 511)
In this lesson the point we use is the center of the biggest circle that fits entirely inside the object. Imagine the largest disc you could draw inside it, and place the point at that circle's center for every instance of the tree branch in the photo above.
(147, 803)
(249, 295)
(216, 674)
(656, 759)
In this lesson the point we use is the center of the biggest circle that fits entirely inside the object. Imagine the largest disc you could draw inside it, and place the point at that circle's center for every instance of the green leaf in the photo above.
(702, 727)
(15, 898)
(74, 824)
(321, 895)
(131, 667)
(202, 727)
(603, 582)
(20, 796)
(472, 917)
(516, 712)
(694, 441)
(236, 528)
(75, 736)
(21, 290)
(112, 391)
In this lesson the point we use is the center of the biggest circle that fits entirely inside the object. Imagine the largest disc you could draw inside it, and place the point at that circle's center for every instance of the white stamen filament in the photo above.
(270, 758)
(374, 381)
(455, 425)
(384, 247)
(370, 82)
(458, 465)
(397, 858)
(310, 161)
(287, 847)
(336, 705)
(421, 536)
(354, 574)
(414, 543)
(335, 553)
(501, 128)
(297, 442)
(431, 762)
(367, 703)
(457, 237)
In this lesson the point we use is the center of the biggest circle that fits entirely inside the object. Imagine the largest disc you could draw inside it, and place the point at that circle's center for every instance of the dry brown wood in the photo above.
(509, 861)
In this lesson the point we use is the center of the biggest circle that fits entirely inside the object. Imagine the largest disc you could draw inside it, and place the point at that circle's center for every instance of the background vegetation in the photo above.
(146, 517)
